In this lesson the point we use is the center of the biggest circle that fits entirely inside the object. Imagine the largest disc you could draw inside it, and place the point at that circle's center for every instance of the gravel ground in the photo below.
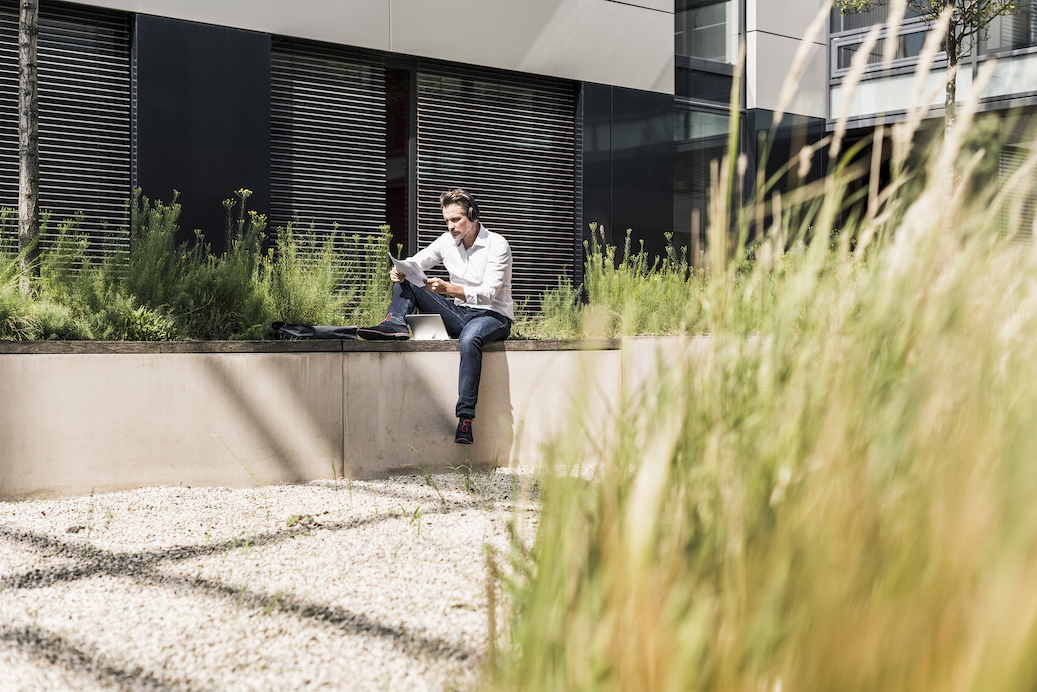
(376, 585)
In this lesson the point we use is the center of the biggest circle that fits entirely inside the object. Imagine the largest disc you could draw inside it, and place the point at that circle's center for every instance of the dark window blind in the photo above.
(1020, 208)
(84, 98)
(509, 140)
(327, 129)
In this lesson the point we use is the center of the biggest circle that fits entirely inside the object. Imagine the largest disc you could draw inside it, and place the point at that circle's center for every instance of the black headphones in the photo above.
(473, 208)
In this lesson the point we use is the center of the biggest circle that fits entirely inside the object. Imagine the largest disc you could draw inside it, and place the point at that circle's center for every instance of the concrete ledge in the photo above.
(293, 346)
(154, 347)
(82, 416)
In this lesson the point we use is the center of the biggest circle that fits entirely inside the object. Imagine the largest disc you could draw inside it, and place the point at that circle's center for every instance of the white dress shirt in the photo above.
(483, 270)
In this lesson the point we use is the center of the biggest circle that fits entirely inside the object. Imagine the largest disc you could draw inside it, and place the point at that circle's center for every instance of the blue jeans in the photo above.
(472, 327)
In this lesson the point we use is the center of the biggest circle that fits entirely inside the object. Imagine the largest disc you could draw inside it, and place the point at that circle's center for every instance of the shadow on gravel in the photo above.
(45, 647)
(454, 499)
(142, 567)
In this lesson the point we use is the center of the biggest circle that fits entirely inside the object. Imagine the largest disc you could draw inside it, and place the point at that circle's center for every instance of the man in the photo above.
(475, 304)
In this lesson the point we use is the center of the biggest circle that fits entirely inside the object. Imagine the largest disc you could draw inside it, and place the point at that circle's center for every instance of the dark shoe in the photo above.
(385, 331)
(463, 436)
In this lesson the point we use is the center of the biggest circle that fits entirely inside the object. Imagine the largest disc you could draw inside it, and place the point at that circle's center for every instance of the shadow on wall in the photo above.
(278, 415)
(287, 423)
(399, 413)
(114, 421)
(76, 421)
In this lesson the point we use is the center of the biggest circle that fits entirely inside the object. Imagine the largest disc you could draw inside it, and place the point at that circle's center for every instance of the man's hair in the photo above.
(456, 196)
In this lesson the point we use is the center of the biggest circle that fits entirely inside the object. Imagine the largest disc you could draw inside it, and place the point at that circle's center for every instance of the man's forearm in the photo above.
(445, 288)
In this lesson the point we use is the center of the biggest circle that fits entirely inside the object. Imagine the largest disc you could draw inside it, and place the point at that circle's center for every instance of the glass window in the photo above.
(699, 140)
(1013, 31)
(865, 19)
(908, 46)
(706, 29)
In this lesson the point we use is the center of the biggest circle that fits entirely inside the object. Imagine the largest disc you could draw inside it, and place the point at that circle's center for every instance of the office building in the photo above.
(352, 113)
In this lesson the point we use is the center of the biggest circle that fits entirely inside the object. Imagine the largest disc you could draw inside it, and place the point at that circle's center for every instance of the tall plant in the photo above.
(840, 501)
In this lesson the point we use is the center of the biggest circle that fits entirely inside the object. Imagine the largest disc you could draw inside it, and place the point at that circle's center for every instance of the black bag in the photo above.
(308, 331)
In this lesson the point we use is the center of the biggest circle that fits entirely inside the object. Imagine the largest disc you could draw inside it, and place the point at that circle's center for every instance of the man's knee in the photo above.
(470, 340)
(402, 289)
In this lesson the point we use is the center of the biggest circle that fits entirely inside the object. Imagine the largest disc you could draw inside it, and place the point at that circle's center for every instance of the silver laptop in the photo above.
(427, 327)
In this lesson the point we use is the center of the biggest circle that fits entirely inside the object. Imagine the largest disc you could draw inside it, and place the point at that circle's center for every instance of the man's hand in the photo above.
(445, 288)
(437, 286)
(396, 276)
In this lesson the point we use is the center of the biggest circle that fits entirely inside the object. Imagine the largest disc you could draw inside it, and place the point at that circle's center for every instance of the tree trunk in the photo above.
(951, 98)
(28, 142)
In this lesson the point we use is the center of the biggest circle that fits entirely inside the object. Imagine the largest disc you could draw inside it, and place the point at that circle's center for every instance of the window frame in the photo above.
(686, 62)
(897, 66)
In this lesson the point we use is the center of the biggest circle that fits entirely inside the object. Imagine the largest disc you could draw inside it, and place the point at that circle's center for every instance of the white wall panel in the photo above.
(590, 40)
(627, 44)
(769, 61)
(1013, 75)
(783, 17)
(357, 23)
(774, 31)
(657, 5)
(894, 94)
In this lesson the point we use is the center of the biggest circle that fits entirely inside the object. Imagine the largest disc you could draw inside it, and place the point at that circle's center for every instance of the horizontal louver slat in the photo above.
(510, 140)
(1020, 208)
(327, 128)
(84, 99)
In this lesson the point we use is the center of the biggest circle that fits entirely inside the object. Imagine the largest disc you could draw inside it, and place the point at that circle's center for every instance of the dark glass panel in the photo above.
(642, 168)
(703, 85)
(699, 139)
(397, 165)
(203, 119)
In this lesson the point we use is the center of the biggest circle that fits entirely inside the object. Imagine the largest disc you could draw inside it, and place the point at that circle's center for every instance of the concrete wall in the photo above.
(774, 31)
(76, 422)
(78, 417)
(626, 44)
(399, 408)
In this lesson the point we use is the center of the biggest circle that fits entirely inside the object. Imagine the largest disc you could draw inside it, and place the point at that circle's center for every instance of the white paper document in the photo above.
(410, 270)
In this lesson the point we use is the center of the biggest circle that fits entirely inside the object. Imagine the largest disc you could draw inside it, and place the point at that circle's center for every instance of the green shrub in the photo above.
(560, 315)
(638, 294)
(635, 295)
(154, 268)
(28, 319)
(304, 279)
(159, 289)
(310, 284)
(14, 307)
(60, 263)
(371, 276)
(226, 296)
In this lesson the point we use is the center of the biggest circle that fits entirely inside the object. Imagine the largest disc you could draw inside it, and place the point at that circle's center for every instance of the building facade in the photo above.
(347, 114)
(706, 39)
(1006, 103)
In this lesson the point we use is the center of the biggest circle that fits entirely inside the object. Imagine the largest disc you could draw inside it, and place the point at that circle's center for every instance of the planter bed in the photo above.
(85, 415)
